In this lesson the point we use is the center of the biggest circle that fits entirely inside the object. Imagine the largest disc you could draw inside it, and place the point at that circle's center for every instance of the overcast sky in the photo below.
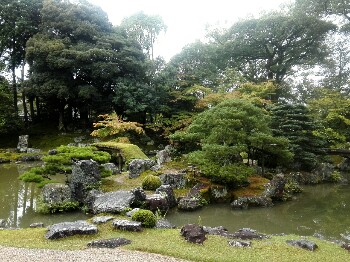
(186, 19)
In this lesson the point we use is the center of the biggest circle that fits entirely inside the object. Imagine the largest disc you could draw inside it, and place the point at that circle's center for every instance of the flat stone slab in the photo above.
(36, 225)
(127, 225)
(101, 220)
(109, 243)
(305, 244)
(236, 243)
(66, 229)
(112, 202)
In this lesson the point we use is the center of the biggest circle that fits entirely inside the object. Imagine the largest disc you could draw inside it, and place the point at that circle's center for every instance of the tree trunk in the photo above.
(61, 117)
(25, 110)
(14, 90)
(31, 108)
(37, 104)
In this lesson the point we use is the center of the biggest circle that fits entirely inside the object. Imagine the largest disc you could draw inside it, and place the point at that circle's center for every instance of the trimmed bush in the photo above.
(146, 217)
(151, 182)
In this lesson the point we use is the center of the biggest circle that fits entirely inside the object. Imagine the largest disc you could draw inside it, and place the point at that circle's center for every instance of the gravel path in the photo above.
(11, 254)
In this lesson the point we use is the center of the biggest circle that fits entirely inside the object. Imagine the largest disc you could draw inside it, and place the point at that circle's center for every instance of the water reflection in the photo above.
(18, 199)
(322, 209)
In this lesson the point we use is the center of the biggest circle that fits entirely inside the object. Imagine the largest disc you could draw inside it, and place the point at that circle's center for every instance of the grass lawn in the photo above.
(169, 242)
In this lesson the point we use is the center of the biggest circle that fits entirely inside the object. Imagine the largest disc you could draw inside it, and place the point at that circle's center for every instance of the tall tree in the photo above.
(268, 48)
(78, 58)
(19, 20)
(144, 29)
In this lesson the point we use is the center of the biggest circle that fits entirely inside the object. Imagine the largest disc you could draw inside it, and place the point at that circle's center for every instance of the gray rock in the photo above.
(276, 188)
(85, 176)
(112, 202)
(111, 167)
(193, 233)
(346, 246)
(344, 165)
(33, 150)
(137, 166)
(2, 223)
(163, 223)
(36, 225)
(236, 243)
(324, 171)
(175, 180)
(109, 243)
(31, 158)
(79, 139)
(157, 202)
(219, 193)
(219, 231)
(54, 194)
(101, 220)
(248, 233)
(140, 196)
(22, 145)
(66, 229)
(3, 160)
(305, 244)
(127, 225)
(189, 204)
(164, 155)
(53, 152)
(253, 201)
(131, 212)
(169, 193)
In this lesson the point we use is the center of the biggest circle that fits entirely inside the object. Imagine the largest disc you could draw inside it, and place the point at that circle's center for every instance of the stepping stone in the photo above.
(66, 229)
(109, 243)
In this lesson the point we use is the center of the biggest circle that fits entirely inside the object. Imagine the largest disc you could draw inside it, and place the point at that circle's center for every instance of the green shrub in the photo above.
(146, 217)
(151, 182)
(66, 206)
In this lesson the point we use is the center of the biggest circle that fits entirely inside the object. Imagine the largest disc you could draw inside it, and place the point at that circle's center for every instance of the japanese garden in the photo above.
(236, 149)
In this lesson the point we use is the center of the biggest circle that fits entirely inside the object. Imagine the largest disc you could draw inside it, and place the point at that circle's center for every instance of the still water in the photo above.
(18, 200)
(322, 209)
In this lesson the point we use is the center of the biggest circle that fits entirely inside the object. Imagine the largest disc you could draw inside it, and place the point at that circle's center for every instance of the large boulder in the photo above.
(56, 194)
(252, 201)
(193, 233)
(175, 180)
(344, 165)
(112, 202)
(157, 202)
(219, 193)
(66, 229)
(22, 145)
(140, 196)
(189, 204)
(281, 188)
(85, 176)
(137, 166)
(324, 171)
(167, 190)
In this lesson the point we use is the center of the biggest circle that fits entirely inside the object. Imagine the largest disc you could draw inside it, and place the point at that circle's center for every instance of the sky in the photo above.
(186, 20)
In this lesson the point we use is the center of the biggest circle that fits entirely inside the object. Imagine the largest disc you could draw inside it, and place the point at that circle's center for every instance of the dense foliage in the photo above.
(252, 91)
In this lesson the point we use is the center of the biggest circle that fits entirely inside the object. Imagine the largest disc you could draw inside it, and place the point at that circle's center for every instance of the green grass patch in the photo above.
(169, 242)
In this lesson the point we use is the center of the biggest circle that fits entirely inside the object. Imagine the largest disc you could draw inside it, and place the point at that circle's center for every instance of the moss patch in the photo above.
(255, 188)
(128, 151)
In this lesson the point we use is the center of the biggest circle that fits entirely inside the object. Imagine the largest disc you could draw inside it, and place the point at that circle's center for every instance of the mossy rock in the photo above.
(127, 151)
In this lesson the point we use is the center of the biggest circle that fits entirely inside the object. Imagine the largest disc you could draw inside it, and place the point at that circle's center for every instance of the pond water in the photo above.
(18, 200)
(322, 209)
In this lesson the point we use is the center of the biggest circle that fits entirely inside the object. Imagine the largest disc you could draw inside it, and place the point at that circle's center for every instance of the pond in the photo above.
(322, 209)
(18, 200)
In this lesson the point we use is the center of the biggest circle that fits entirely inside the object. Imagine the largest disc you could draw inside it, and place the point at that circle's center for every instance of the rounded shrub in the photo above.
(151, 182)
(146, 217)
